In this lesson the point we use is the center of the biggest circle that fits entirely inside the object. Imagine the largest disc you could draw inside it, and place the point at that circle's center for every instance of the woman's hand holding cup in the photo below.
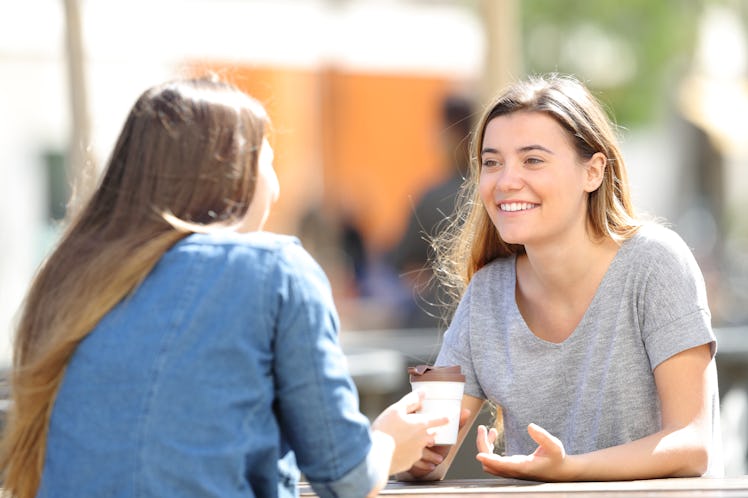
(410, 431)
(431, 458)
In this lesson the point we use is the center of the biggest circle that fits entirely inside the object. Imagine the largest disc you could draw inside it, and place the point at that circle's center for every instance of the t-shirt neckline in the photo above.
(602, 288)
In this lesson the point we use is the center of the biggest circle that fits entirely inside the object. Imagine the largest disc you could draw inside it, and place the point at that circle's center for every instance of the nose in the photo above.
(509, 178)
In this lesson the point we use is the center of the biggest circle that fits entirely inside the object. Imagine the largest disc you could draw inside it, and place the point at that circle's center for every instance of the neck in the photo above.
(561, 267)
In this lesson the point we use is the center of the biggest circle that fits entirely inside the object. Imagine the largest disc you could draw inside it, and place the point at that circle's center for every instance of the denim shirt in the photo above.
(220, 376)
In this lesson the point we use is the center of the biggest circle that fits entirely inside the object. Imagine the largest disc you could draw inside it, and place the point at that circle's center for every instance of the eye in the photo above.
(533, 161)
(490, 163)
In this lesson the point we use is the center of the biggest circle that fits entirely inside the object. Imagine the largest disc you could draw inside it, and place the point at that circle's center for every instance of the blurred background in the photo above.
(371, 101)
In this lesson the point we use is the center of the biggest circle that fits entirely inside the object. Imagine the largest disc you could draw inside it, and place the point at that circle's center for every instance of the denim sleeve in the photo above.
(317, 403)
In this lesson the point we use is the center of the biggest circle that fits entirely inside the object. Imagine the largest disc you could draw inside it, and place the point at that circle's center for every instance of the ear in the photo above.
(595, 171)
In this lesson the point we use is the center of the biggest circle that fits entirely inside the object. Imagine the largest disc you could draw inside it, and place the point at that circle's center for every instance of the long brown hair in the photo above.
(186, 160)
(472, 241)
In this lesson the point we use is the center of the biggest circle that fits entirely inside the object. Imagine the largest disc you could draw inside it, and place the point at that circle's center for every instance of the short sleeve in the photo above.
(456, 347)
(675, 312)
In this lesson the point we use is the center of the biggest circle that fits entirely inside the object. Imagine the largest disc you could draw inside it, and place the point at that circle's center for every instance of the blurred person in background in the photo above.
(337, 243)
(587, 326)
(168, 347)
(410, 257)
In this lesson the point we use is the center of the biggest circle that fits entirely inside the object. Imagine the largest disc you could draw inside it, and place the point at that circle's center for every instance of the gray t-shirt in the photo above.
(596, 389)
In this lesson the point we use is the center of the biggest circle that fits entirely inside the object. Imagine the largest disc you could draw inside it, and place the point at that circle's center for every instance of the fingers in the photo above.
(411, 401)
(544, 463)
(493, 435)
(538, 434)
(489, 463)
(504, 466)
(432, 456)
(483, 440)
(429, 460)
(464, 416)
(546, 440)
(436, 422)
(421, 468)
(542, 436)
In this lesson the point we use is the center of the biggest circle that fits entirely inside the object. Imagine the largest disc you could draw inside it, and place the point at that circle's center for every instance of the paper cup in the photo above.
(443, 387)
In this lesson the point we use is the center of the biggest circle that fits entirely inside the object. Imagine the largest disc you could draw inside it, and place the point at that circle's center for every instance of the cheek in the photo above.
(485, 190)
(274, 187)
(268, 187)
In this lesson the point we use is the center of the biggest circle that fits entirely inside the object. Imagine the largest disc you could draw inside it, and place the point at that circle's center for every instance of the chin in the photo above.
(510, 238)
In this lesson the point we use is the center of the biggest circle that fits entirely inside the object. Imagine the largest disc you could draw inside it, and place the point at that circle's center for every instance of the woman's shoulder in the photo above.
(255, 240)
(495, 272)
(502, 264)
(657, 245)
(272, 253)
(263, 248)
(220, 243)
(656, 239)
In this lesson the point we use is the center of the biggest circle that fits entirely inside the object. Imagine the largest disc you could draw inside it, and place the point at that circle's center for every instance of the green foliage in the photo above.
(652, 42)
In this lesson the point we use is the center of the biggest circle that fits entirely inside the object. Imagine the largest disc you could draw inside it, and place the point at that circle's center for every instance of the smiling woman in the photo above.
(552, 202)
(588, 327)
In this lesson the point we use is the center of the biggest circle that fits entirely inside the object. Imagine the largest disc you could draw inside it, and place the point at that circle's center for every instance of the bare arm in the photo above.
(680, 448)
(435, 461)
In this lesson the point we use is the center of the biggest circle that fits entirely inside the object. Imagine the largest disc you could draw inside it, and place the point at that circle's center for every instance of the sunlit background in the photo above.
(355, 91)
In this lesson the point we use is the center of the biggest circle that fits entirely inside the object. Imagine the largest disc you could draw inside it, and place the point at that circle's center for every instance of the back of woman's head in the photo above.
(189, 149)
(186, 160)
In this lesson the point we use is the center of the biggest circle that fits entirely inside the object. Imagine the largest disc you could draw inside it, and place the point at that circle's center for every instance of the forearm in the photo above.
(682, 447)
(669, 453)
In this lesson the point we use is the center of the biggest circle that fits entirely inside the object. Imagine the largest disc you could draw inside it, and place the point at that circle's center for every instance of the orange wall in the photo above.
(382, 146)
(366, 144)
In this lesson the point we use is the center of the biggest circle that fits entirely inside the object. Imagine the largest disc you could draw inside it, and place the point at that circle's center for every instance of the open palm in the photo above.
(544, 464)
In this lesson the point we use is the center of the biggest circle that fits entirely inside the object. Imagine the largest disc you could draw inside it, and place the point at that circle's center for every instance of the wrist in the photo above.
(383, 446)
(572, 469)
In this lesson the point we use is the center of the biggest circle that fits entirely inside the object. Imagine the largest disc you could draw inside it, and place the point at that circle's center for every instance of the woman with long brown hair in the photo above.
(168, 347)
(586, 326)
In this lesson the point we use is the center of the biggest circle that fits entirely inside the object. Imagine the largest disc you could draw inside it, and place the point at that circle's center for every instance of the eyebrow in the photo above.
(526, 148)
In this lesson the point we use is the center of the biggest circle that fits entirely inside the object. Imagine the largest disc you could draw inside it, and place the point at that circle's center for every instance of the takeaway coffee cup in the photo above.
(443, 387)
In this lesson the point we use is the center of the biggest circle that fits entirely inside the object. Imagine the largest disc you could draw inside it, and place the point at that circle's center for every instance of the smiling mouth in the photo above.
(516, 206)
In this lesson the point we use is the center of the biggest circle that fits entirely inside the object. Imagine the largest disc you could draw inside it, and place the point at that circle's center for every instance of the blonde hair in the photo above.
(471, 241)
(185, 161)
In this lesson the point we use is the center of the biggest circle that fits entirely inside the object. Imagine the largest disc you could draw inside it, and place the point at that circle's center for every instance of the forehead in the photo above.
(520, 129)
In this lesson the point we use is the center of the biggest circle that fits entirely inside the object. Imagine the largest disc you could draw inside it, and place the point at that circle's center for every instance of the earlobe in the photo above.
(595, 171)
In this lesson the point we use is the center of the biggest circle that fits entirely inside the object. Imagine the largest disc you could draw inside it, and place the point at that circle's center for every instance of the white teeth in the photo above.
(516, 206)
